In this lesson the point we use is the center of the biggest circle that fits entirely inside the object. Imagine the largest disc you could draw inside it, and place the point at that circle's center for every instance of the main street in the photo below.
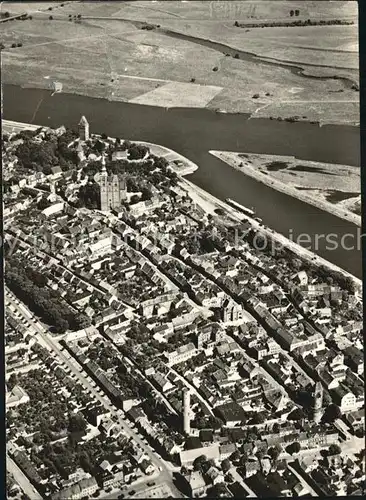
(55, 348)
(21, 479)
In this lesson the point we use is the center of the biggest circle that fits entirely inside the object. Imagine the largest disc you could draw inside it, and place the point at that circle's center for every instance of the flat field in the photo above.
(107, 54)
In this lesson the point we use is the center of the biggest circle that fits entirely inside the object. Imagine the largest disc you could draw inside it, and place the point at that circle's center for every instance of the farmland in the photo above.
(107, 54)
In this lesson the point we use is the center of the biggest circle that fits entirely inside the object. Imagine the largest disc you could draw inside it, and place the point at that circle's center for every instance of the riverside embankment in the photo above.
(194, 132)
(210, 202)
(246, 169)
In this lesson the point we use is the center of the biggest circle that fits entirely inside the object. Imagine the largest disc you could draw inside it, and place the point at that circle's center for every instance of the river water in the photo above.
(193, 132)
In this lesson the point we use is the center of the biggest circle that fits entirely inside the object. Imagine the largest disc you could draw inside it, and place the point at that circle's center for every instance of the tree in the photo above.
(236, 24)
(226, 465)
(297, 12)
(296, 414)
(137, 151)
(293, 448)
(235, 456)
(292, 13)
(276, 428)
(134, 199)
(50, 18)
(236, 56)
(258, 419)
(77, 423)
(274, 452)
(215, 68)
(193, 80)
(199, 462)
(99, 146)
(19, 44)
(146, 193)
(13, 45)
(334, 449)
(6, 14)
(332, 413)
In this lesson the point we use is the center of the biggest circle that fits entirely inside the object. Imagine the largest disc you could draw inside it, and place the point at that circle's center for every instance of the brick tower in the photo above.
(83, 129)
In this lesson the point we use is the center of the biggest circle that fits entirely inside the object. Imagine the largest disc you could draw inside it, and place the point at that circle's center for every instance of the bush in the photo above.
(256, 96)
(236, 56)
(215, 68)
(19, 45)
(293, 448)
(334, 449)
(13, 45)
(297, 12)
(50, 18)
(193, 80)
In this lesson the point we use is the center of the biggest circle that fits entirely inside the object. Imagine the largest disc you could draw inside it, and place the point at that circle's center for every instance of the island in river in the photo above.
(333, 188)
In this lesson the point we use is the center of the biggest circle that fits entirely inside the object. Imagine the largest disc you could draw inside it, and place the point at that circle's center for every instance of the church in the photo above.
(113, 190)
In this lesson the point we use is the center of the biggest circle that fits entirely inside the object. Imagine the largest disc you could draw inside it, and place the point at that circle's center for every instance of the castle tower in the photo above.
(318, 403)
(187, 412)
(83, 129)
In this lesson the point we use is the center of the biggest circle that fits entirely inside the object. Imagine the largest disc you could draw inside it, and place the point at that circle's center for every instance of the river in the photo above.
(193, 132)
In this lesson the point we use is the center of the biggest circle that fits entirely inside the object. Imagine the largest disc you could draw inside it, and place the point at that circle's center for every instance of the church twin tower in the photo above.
(112, 187)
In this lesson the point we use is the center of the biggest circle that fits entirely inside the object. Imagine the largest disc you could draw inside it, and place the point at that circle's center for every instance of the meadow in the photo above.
(107, 54)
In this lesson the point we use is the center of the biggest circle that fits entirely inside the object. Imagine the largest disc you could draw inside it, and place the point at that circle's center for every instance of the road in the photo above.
(302, 481)
(9, 126)
(353, 445)
(52, 345)
(237, 477)
(139, 487)
(193, 389)
(22, 479)
(69, 270)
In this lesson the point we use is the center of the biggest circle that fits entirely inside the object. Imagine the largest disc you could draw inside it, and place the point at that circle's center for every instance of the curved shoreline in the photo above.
(270, 233)
(189, 186)
(288, 190)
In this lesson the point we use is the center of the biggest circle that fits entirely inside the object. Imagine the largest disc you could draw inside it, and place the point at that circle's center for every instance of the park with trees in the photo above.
(29, 285)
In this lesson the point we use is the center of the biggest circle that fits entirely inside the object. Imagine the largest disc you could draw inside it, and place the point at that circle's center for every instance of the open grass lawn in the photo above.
(115, 59)
(235, 10)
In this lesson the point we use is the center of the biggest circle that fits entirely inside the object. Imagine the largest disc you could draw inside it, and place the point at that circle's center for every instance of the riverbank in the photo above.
(267, 232)
(210, 203)
(242, 164)
(199, 64)
(193, 133)
(181, 165)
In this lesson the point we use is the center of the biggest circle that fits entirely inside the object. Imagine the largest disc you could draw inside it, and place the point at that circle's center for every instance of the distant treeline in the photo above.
(294, 24)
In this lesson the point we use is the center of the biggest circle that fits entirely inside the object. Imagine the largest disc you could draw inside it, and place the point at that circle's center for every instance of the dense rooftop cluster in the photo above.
(210, 349)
